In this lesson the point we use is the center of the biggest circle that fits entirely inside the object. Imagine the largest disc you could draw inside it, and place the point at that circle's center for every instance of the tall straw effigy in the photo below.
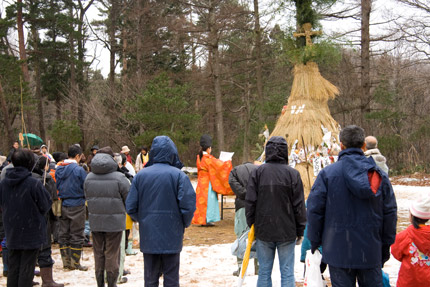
(306, 123)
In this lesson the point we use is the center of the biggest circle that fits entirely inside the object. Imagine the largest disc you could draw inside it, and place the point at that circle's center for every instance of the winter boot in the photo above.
(47, 281)
(239, 267)
(111, 278)
(5, 255)
(256, 266)
(65, 256)
(100, 278)
(75, 258)
(129, 250)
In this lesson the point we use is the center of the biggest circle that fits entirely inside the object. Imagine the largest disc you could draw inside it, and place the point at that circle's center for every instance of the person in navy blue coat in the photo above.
(163, 201)
(24, 202)
(352, 213)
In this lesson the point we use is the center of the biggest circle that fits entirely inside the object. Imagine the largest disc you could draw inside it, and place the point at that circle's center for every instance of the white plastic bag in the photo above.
(313, 272)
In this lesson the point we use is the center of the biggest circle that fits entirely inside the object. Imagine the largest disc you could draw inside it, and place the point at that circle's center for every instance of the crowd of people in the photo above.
(350, 215)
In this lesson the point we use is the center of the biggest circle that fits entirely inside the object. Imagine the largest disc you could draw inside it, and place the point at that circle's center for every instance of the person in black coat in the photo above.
(238, 180)
(24, 202)
(44, 259)
(275, 205)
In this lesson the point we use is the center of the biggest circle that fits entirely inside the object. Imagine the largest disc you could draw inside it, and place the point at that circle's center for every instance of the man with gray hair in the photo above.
(373, 151)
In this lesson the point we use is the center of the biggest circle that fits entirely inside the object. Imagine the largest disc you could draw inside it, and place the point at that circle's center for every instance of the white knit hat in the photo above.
(421, 207)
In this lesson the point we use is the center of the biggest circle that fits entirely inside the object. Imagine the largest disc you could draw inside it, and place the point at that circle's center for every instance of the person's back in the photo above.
(24, 202)
(352, 213)
(279, 213)
(106, 190)
(70, 179)
(275, 205)
(373, 151)
(412, 246)
(163, 201)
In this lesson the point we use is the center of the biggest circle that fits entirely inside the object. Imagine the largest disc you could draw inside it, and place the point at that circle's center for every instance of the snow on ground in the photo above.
(212, 266)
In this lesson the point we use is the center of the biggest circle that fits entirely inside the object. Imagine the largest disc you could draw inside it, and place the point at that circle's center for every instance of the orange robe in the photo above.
(215, 171)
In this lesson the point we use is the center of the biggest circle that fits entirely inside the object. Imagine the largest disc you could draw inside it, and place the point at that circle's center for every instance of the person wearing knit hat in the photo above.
(412, 246)
(212, 175)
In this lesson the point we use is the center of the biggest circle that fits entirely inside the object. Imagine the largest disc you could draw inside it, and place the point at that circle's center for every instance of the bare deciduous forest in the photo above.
(222, 67)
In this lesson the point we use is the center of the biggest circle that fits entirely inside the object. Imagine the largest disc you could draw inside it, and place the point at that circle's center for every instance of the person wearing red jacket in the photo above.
(412, 247)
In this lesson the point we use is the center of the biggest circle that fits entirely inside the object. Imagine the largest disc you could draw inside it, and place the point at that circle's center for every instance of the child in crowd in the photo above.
(412, 247)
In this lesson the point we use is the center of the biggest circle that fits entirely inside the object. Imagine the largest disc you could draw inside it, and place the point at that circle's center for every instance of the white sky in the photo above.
(381, 10)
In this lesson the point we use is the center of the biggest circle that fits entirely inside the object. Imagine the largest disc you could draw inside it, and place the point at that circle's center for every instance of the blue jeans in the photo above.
(266, 256)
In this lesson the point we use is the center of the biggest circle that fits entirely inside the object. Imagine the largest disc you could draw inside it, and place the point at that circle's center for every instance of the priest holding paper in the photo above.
(212, 179)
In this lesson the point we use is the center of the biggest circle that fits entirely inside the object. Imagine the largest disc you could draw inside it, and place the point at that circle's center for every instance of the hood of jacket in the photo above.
(277, 150)
(16, 175)
(376, 154)
(103, 163)
(163, 150)
(420, 237)
(355, 171)
(65, 169)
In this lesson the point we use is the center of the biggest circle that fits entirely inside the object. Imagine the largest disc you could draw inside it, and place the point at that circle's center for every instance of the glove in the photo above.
(313, 247)
(385, 253)
(299, 240)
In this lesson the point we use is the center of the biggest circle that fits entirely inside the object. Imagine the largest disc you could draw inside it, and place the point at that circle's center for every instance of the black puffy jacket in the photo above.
(275, 198)
(238, 180)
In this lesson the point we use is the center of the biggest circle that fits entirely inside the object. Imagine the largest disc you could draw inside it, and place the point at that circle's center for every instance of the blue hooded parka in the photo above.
(349, 220)
(162, 200)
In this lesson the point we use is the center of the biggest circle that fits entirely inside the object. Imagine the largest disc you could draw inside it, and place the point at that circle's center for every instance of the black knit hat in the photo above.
(205, 142)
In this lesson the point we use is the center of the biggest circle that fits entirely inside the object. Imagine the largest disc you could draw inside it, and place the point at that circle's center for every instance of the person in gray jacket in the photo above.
(373, 151)
(106, 190)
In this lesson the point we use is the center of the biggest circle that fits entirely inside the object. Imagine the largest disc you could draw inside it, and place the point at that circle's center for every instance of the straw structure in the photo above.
(306, 112)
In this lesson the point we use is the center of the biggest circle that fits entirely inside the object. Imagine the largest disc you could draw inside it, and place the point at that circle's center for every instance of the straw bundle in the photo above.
(306, 112)
(309, 84)
(307, 175)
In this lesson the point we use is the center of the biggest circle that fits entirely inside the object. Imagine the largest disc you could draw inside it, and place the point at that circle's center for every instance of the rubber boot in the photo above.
(256, 266)
(129, 250)
(239, 267)
(75, 258)
(5, 255)
(65, 256)
(111, 278)
(47, 281)
(100, 278)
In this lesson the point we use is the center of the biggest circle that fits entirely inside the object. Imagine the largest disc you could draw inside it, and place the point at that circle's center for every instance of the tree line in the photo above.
(222, 67)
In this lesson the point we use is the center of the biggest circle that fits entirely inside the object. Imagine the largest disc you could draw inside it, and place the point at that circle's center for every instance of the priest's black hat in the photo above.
(205, 142)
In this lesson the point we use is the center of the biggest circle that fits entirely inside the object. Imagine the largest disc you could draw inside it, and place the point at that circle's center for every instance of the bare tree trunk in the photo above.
(124, 78)
(23, 58)
(216, 80)
(258, 70)
(73, 86)
(22, 52)
(5, 112)
(366, 6)
(38, 91)
(113, 15)
(139, 43)
(80, 71)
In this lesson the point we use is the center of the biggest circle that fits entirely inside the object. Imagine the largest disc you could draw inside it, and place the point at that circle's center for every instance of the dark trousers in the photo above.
(107, 247)
(21, 267)
(44, 259)
(157, 264)
(72, 225)
(344, 277)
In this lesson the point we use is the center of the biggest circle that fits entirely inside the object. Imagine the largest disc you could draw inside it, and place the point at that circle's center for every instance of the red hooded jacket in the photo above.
(412, 248)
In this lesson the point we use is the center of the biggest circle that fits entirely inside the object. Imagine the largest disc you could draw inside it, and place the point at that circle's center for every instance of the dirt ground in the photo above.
(222, 232)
